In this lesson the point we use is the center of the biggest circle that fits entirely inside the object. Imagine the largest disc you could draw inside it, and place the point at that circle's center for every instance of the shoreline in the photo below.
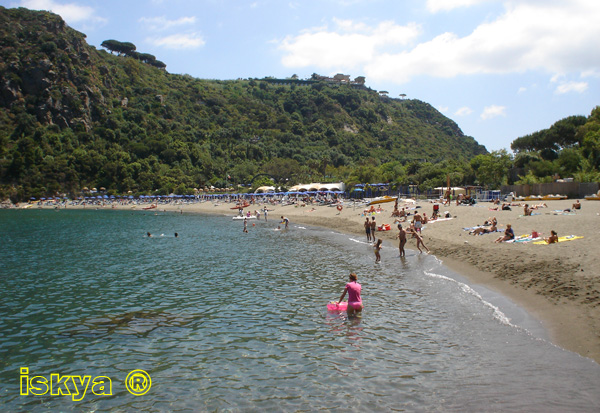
(558, 284)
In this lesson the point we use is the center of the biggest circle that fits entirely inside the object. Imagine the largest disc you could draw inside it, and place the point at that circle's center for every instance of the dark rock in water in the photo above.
(137, 323)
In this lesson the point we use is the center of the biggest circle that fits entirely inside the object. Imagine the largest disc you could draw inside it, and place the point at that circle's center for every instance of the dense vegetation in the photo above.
(73, 117)
(569, 148)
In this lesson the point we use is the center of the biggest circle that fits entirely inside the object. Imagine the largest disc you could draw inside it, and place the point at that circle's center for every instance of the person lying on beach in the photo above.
(552, 238)
(526, 210)
(483, 230)
(491, 221)
(506, 207)
(353, 288)
(370, 210)
(509, 234)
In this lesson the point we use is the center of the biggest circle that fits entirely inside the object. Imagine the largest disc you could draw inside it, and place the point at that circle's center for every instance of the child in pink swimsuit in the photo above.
(355, 304)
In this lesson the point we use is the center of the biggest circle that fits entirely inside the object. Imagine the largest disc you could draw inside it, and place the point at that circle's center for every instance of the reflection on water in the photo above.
(223, 320)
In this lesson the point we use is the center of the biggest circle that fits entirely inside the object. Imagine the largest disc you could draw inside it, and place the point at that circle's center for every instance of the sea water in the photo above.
(223, 320)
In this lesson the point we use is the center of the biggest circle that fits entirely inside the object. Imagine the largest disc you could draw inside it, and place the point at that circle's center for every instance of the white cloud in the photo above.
(162, 23)
(556, 37)
(529, 35)
(567, 87)
(522, 89)
(493, 111)
(443, 109)
(591, 73)
(435, 6)
(179, 41)
(70, 12)
(352, 45)
(464, 111)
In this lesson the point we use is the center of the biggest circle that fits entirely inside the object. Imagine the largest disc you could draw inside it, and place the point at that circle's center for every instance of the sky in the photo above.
(500, 69)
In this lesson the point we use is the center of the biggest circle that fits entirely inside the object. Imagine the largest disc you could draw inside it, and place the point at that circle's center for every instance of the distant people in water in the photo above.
(148, 234)
(353, 288)
(176, 235)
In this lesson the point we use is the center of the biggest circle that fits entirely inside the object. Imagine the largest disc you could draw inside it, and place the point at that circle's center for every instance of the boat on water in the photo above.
(244, 217)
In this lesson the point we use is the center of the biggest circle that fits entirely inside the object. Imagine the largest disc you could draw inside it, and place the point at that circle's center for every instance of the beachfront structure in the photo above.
(455, 191)
(339, 186)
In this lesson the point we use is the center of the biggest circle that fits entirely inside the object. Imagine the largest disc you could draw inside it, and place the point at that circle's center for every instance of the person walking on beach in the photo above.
(373, 228)
(402, 237)
(419, 239)
(367, 226)
(265, 212)
(418, 221)
(377, 249)
(353, 288)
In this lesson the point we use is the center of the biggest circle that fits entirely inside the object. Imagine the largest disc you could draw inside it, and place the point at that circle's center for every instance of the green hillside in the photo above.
(72, 116)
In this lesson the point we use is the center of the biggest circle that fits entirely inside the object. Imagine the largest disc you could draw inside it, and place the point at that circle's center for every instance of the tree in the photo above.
(492, 169)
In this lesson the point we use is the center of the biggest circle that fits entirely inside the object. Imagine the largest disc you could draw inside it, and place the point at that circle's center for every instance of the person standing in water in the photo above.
(285, 221)
(402, 237)
(377, 248)
(355, 305)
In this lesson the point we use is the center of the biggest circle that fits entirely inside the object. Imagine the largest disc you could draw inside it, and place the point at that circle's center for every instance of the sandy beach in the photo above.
(559, 283)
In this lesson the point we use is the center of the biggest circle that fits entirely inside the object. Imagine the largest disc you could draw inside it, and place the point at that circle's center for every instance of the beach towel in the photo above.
(525, 238)
(560, 239)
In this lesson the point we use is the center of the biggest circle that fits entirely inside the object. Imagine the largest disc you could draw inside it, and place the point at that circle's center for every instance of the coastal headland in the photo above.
(559, 284)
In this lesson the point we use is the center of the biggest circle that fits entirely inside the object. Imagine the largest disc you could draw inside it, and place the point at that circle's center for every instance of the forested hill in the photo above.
(72, 116)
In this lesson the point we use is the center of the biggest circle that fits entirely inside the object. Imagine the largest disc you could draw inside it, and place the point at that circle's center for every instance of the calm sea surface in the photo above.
(227, 321)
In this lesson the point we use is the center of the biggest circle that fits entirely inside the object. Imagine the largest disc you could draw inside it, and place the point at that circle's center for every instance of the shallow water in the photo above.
(223, 320)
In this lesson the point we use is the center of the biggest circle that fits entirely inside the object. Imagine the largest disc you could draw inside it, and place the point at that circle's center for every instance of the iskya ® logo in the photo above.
(138, 382)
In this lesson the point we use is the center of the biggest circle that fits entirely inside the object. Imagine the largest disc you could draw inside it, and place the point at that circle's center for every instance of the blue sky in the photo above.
(500, 69)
